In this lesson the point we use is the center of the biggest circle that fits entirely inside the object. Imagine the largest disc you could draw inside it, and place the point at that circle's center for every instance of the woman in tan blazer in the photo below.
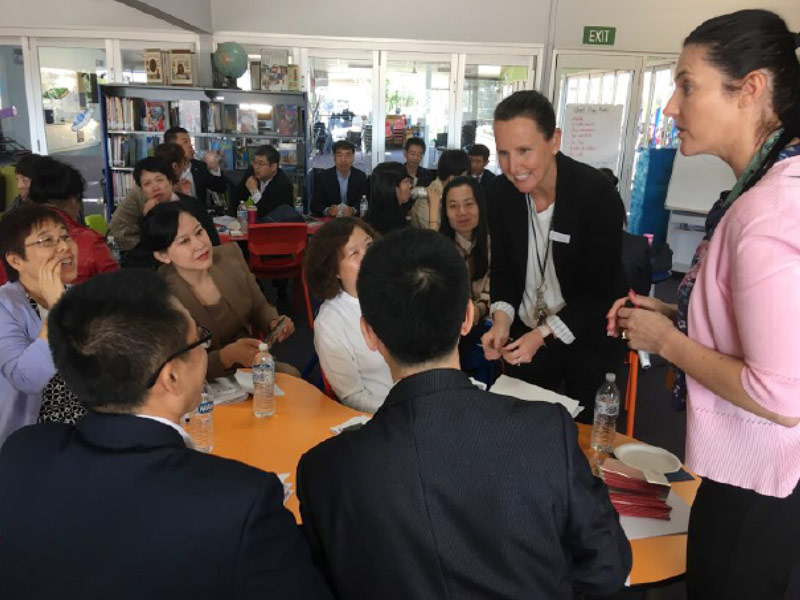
(215, 285)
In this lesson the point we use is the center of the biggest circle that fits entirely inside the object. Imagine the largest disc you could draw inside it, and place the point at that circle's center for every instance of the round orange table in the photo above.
(304, 417)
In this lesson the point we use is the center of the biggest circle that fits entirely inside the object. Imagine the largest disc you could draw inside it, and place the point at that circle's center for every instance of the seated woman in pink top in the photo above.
(737, 96)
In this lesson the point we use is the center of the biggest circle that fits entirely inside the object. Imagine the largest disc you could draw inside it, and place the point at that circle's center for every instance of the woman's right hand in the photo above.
(496, 338)
(148, 205)
(639, 301)
(50, 283)
(241, 352)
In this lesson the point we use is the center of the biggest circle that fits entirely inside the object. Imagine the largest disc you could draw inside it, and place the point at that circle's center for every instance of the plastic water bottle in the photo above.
(364, 206)
(263, 383)
(200, 425)
(606, 411)
(112, 245)
(241, 216)
(298, 205)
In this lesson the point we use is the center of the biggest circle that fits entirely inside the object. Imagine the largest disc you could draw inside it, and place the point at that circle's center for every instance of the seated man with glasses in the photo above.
(264, 182)
(121, 506)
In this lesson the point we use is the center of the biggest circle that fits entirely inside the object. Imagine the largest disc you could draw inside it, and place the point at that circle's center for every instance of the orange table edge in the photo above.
(303, 419)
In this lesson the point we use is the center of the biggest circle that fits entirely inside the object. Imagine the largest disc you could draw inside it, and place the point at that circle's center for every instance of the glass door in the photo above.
(341, 104)
(487, 80)
(596, 101)
(15, 133)
(419, 101)
(69, 80)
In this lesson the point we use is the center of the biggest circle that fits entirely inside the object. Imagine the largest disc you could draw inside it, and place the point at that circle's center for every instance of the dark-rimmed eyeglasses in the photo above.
(51, 241)
(203, 339)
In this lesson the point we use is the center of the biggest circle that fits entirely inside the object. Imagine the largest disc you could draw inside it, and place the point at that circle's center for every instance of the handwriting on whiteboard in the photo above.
(592, 134)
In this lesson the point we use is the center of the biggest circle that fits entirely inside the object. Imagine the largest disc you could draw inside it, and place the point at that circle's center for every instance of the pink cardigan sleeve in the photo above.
(765, 287)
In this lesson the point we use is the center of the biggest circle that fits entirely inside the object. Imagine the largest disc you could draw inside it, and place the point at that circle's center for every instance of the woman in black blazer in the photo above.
(556, 234)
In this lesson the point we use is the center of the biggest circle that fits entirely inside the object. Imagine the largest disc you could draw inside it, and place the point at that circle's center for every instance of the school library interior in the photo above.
(422, 301)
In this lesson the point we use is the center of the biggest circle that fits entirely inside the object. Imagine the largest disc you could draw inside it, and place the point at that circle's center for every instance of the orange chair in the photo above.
(276, 252)
(630, 392)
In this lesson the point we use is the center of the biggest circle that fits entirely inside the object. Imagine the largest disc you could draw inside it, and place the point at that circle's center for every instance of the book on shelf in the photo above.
(122, 184)
(212, 117)
(242, 154)
(288, 152)
(154, 66)
(287, 119)
(223, 147)
(180, 62)
(247, 121)
(230, 117)
(293, 78)
(274, 68)
(127, 150)
(190, 115)
(255, 75)
(156, 115)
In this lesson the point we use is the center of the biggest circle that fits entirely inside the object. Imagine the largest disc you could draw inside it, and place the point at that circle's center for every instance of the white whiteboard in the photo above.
(696, 182)
(592, 134)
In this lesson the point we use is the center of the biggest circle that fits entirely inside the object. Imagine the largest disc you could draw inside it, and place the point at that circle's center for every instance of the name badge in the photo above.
(559, 237)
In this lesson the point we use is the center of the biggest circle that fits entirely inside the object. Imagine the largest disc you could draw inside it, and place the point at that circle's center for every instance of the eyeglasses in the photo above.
(51, 241)
(203, 339)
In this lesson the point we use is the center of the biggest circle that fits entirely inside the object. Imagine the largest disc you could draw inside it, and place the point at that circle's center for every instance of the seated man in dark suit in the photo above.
(478, 159)
(342, 184)
(414, 152)
(120, 506)
(265, 182)
(202, 175)
(450, 491)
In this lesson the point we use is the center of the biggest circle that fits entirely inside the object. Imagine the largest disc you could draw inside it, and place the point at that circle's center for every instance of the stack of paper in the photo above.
(355, 423)
(508, 386)
(227, 390)
(633, 494)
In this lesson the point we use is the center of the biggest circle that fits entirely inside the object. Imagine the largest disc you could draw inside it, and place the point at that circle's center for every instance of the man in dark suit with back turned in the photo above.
(265, 182)
(341, 184)
(203, 175)
(450, 491)
(120, 506)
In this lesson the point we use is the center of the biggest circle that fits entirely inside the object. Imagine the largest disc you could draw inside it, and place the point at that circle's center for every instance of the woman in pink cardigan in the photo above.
(737, 96)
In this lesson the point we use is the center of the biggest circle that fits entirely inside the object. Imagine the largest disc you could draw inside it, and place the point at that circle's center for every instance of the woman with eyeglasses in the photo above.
(40, 258)
(215, 285)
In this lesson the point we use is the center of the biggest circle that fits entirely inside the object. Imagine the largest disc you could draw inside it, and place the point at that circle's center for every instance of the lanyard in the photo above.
(542, 264)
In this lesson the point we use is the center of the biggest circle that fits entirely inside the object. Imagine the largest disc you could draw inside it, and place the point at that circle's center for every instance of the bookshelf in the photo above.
(231, 122)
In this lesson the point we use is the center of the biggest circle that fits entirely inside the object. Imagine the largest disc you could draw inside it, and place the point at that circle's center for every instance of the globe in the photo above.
(230, 59)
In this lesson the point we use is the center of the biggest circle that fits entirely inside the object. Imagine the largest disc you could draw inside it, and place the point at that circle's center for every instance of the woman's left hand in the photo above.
(288, 328)
(522, 350)
(644, 329)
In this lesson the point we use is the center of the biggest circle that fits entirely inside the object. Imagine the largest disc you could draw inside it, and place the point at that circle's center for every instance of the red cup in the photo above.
(252, 215)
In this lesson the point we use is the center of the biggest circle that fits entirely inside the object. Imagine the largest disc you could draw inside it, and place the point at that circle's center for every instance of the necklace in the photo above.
(540, 307)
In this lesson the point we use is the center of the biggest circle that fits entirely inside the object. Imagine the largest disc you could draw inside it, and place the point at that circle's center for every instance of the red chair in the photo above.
(276, 252)
(3, 278)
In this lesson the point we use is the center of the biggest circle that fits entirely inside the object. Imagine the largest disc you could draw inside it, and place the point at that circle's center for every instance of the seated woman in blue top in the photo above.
(40, 257)
(390, 189)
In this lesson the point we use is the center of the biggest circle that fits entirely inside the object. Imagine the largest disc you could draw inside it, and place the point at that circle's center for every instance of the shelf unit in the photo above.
(126, 140)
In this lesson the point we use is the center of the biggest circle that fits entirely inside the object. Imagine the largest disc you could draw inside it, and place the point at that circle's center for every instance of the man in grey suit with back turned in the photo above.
(450, 491)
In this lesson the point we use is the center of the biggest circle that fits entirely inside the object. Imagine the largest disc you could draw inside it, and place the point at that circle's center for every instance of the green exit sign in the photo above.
(599, 36)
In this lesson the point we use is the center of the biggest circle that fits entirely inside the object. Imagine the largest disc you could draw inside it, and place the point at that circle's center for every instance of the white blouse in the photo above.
(359, 376)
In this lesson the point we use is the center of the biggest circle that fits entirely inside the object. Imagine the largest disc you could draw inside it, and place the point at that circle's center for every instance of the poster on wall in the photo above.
(591, 134)
(274, 70)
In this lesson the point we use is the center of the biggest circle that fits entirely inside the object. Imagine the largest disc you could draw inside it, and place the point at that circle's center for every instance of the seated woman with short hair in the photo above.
(40, 258)
(156, 178)
(215, 285)
(390, 190)
(359, 376)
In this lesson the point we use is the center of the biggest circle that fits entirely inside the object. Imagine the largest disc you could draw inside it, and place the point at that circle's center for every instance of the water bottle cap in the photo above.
(610, 377)
(262, 347)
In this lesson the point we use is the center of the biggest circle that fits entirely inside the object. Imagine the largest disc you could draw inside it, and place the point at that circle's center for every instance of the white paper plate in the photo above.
(647, 457)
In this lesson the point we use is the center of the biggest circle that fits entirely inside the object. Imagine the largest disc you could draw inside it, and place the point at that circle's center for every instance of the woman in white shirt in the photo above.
(359, 376)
